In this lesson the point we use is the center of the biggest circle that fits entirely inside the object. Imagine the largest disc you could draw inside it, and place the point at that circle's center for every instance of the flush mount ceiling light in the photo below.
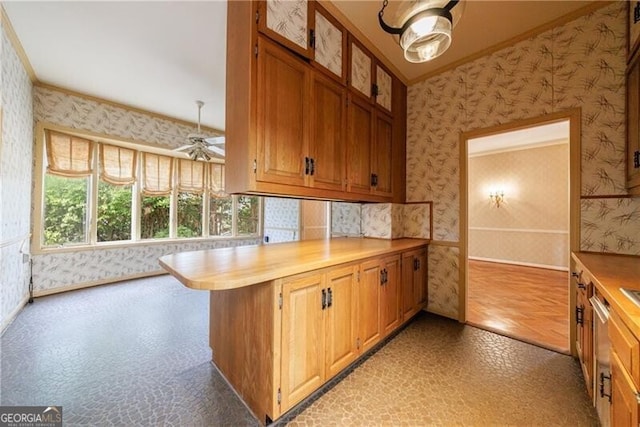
(425, 32)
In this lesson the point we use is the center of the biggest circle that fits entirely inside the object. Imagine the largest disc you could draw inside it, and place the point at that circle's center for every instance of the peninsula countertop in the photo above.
(229, 268)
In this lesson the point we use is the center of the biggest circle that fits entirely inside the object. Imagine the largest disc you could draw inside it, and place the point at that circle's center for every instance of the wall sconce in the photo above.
(497, 198)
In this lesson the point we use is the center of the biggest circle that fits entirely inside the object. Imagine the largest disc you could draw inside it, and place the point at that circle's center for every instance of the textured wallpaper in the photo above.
(532, 224)
(16, 154)
(346, 219)
(395, 221)
(81, 113)
(611, 225)
(578, 64)
(281, 219)
(443, 280)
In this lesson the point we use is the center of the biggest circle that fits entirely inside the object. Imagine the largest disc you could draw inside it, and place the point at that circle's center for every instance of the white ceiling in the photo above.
(162, 56)
(553, 133)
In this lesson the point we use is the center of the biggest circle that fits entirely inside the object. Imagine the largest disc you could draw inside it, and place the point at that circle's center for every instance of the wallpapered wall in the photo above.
(281, 219)
(15, 175)
(578, 64)
(72, 269)
(532, 226)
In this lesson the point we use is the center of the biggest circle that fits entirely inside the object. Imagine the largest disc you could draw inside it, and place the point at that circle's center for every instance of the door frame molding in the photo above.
(574, 116)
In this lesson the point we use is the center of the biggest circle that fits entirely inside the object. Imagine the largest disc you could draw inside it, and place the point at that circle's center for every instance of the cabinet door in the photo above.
(288, 22)
(633, 126)
(302, 361)
(283, 114)
(359, 131)
(369, 304)
(420, 279)
(340, 318)
(381, 171)
(624, 398)
(407, 294)
(327, 148)
(360, 69)
(390, 302)
(383, 88)
(584, 335)
(330, 44)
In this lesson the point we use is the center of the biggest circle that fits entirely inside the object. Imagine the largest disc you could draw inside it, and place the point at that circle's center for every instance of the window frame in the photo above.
(38, 245)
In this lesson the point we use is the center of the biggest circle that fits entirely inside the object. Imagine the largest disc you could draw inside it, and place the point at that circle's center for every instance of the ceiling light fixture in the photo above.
(425, 33)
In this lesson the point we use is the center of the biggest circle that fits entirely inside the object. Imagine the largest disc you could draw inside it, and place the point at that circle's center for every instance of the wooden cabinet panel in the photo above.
(420, 278)
(584, 330)
(633, 125)
(283, 115)
(369, 304)
(382, 153)
(341, 319)
(389, 300)
(302, 338)
(626, 346)
(414, 282)
(288, 23)
(359, 128)
(624, 397)
(330, 45)
(328, 134)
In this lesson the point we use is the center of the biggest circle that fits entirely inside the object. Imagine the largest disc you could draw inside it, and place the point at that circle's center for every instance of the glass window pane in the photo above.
(189, 215)
(114, 212)
(65, 210)
(248, 209)
(154, 217)
(220, 216)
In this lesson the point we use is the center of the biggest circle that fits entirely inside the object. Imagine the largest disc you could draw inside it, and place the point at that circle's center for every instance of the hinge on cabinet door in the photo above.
(374, 89)
(257, 16)
(279, 396)
(358, 343)
(255, 50)
(280, 301)
(636, 159)
(255, 166)
(312, 38)
(358, 276)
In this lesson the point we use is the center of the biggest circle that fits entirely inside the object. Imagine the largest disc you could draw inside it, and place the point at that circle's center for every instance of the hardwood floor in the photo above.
(530, 304)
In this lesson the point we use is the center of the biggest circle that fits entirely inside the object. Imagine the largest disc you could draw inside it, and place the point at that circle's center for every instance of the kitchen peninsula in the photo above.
(286, 318)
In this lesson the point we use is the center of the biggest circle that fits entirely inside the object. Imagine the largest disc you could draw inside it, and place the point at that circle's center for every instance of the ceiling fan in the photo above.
(201, 145)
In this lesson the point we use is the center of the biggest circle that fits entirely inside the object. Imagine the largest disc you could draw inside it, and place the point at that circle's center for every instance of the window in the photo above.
(96, 192)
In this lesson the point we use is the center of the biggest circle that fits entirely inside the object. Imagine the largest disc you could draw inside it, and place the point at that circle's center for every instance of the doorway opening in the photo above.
(518, 227)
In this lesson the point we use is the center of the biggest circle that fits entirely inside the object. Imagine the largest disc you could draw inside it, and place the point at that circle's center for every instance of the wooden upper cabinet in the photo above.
(359, 136)
(360, 69)
(382, 153)
(328, 131)
(329, 41)
(288, 22)
(283, 115)
(633, 125)
(383, 88)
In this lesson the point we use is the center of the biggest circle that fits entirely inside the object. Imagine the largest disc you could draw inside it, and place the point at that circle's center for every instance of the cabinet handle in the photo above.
(602, 378)
(374, 180)
(416, 264)
(312, 169)
(312, 38)
(329, 298)
(306, 166)
(575, 274)
(381, 277)
(636, 159)
(579, 315)
(324, 299)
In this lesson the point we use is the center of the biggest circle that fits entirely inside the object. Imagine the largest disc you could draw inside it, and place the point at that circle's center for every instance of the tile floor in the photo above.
(136, 353)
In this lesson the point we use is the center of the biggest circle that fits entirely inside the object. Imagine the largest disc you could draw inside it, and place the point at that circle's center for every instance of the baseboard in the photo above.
(12, 316)
(44, 292)
(523, 264)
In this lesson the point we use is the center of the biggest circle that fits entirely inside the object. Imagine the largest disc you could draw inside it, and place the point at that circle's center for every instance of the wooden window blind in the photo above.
(117, 164)
(191, 176)
(157, 173)
(216, 180)
(68, 155)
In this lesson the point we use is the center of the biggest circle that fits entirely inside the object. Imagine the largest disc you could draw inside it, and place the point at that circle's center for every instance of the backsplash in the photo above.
(381, 220)
(281, 220)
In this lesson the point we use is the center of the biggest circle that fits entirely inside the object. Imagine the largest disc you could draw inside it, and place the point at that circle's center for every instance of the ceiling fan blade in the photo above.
(184, 148)
(215, 140)
(219, 151)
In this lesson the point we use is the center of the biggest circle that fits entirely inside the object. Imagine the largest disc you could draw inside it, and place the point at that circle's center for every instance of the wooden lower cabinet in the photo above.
(624, 396)
(279, 341)
(414, 282)
(584, 332)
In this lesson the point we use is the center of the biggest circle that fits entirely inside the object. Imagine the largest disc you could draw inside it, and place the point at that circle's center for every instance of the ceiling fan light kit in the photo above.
(425, 33)
(202, 146)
